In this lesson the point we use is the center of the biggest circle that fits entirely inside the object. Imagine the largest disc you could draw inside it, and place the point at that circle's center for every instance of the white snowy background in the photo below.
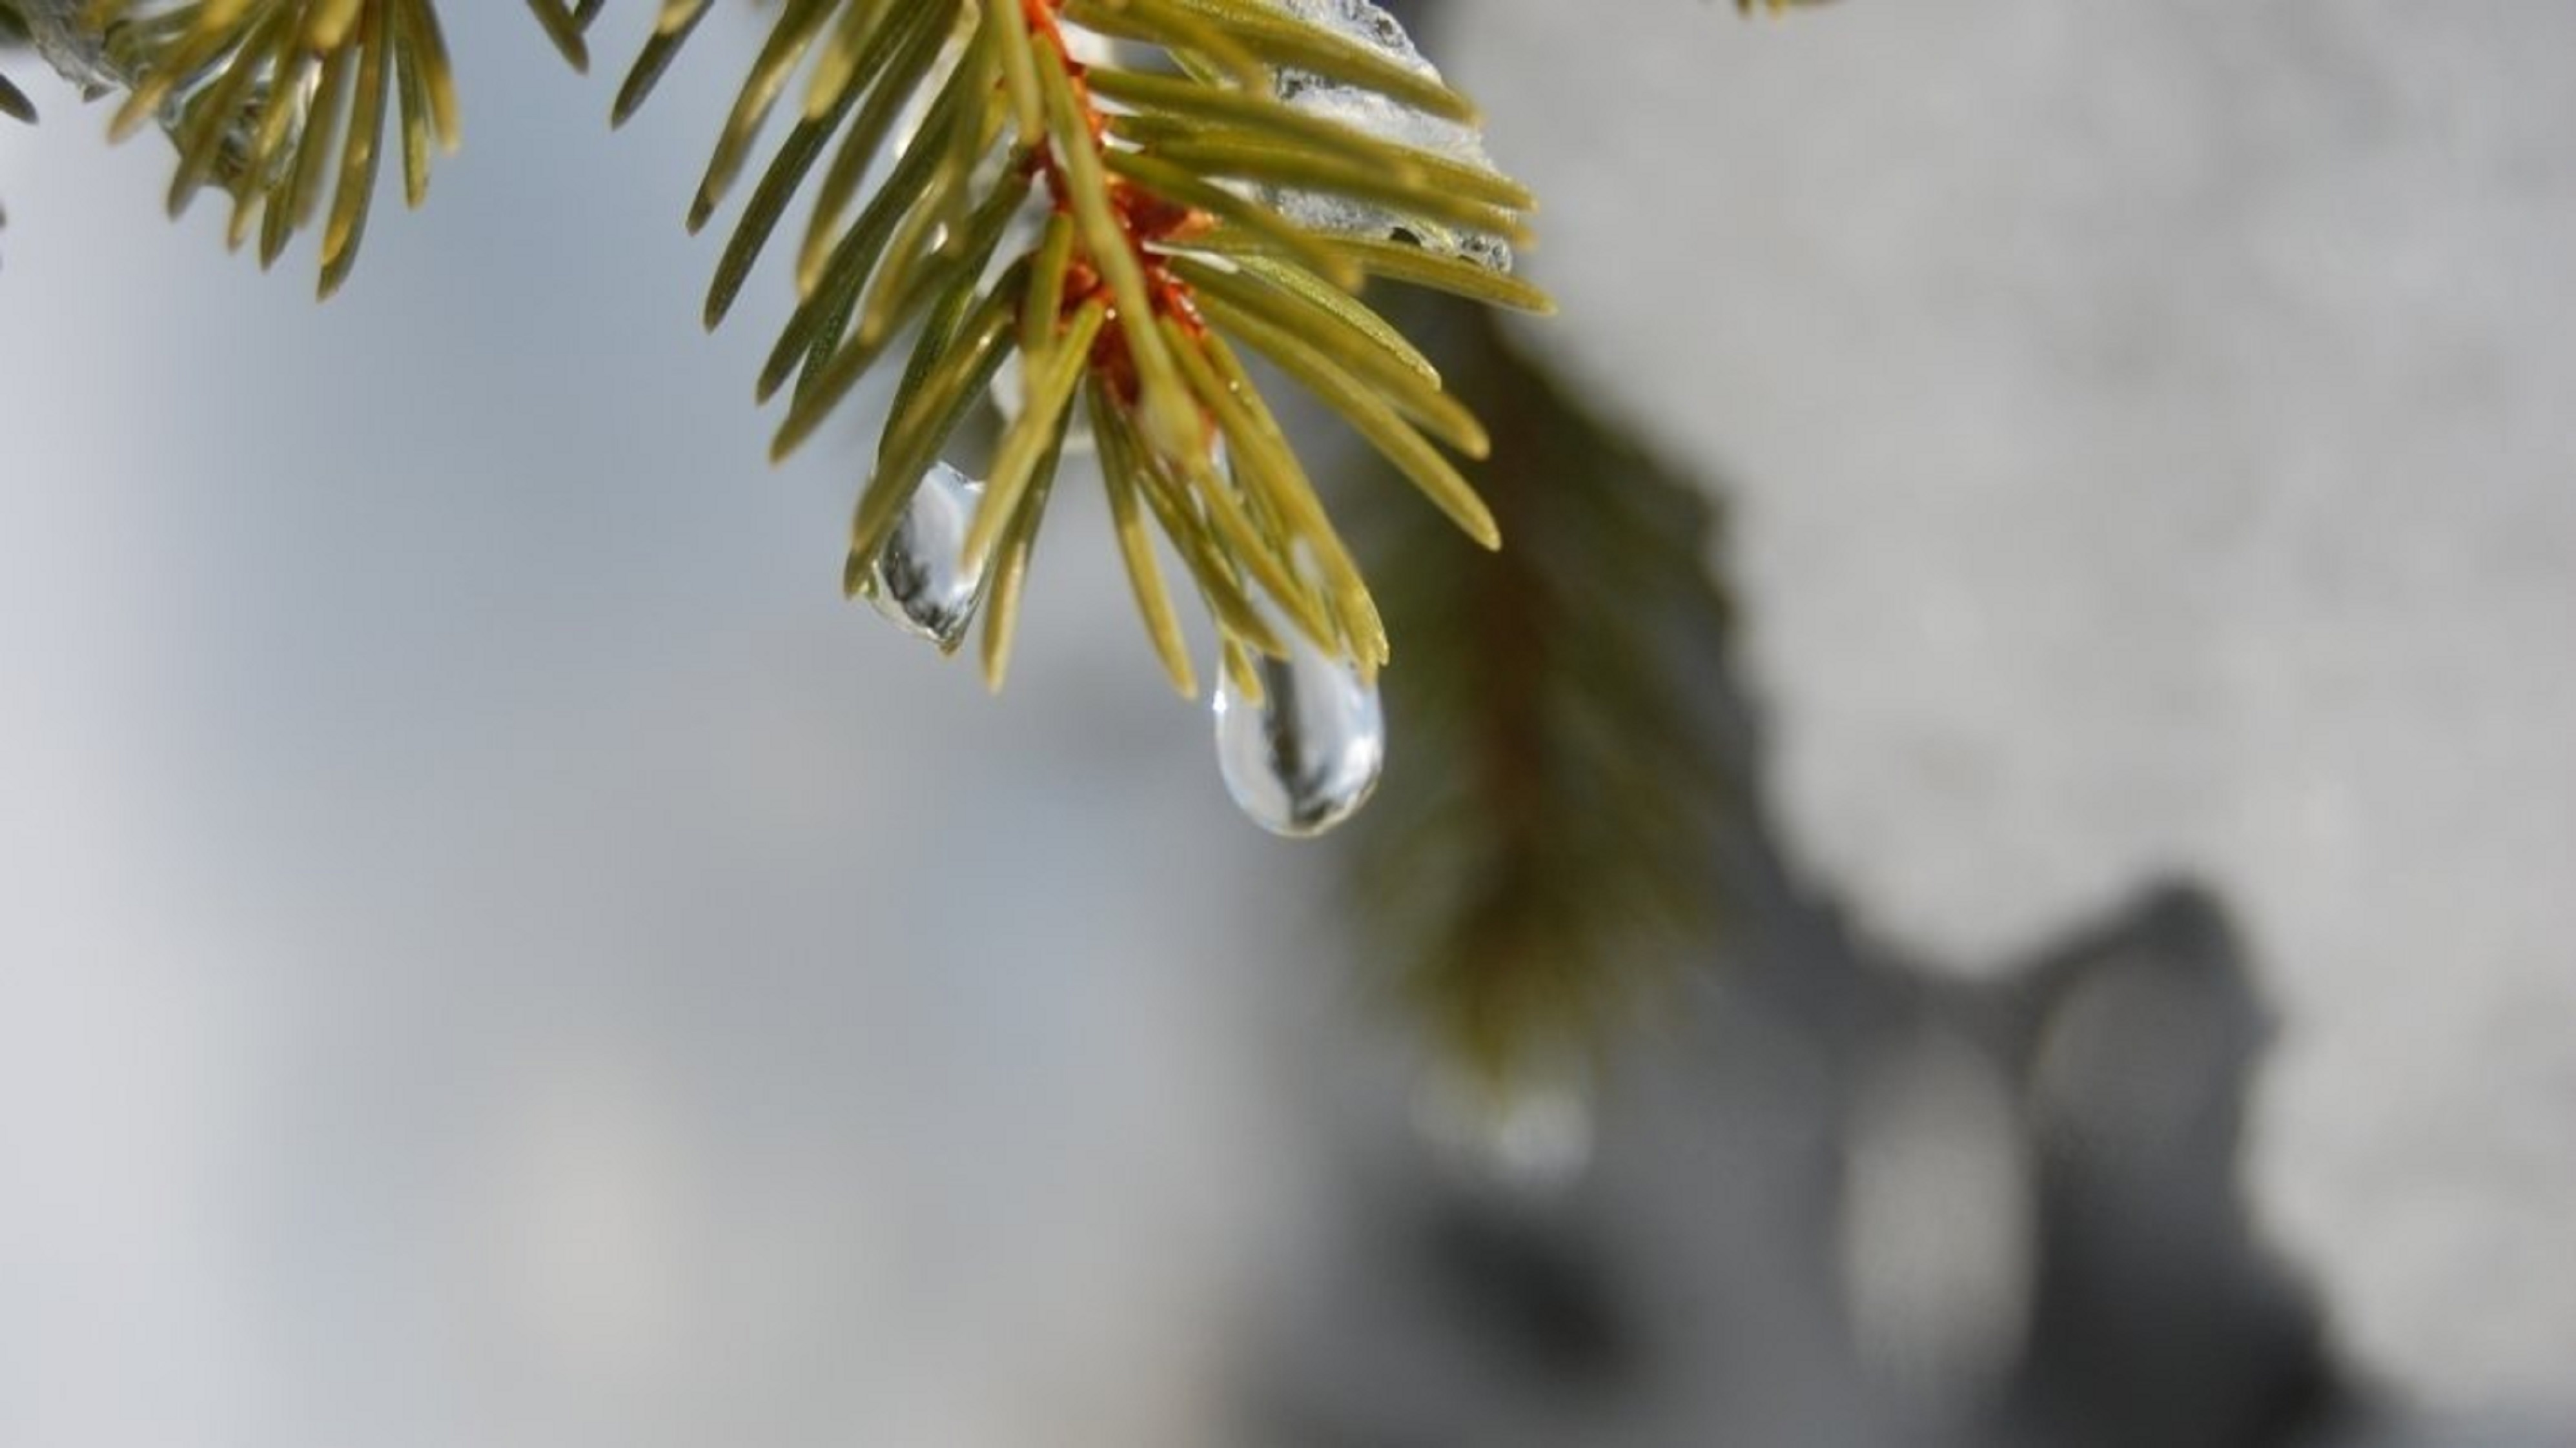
(493, 950)
(2154, 430)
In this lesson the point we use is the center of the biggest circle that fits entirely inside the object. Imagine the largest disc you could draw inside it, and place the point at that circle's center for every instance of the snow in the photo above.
(2148, 438)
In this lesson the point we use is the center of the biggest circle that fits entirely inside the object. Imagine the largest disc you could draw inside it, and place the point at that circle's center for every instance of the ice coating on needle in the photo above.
(69, 46)
(86, 55)
(1363, 21)
(1386, 118)
(99, 64)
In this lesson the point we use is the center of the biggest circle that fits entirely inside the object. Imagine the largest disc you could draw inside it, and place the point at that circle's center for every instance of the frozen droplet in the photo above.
(918, 579)
(1388, 119)
(1363, 21)
(1485, 250)
(101, 60)
(76, 49)
(1305, 756)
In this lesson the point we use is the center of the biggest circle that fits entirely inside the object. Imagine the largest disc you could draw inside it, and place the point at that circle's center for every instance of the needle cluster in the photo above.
(1140, 202)
(1090, 188)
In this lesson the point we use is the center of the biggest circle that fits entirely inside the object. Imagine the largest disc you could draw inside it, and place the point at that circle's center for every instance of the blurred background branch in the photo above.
(1559, 851)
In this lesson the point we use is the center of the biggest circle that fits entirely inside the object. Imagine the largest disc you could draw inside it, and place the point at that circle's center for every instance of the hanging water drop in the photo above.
(917, 579)
(1306, 755)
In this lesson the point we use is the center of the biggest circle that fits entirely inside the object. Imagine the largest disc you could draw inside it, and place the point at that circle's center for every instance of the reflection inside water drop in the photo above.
(1306, 755)
(917, 580)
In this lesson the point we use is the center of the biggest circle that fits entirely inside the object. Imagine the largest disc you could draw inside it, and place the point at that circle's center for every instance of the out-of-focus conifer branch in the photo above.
(1567, 851)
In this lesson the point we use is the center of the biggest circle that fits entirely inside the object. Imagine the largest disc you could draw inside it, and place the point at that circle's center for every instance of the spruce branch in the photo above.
(1133, 212)
(1120, 196)
(282, 105)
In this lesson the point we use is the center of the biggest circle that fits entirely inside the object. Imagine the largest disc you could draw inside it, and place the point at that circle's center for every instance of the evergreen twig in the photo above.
(1156, 140)
(1115, 225)
(1166, 170)
(280, 104)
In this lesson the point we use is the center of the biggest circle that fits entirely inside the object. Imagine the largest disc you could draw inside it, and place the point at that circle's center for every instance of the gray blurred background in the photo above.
(493, 950)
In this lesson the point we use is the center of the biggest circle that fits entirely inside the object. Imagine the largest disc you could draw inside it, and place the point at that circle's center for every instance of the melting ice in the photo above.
(1392, 120)
(96, 63)
(70, 46)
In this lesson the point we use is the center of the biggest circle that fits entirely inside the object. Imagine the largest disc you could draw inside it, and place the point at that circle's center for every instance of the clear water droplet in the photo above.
(917, 580)
(1306, 755)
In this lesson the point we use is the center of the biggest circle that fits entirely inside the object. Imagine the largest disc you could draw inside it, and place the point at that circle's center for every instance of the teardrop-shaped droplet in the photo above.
(1306, 755)
(917, 579)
